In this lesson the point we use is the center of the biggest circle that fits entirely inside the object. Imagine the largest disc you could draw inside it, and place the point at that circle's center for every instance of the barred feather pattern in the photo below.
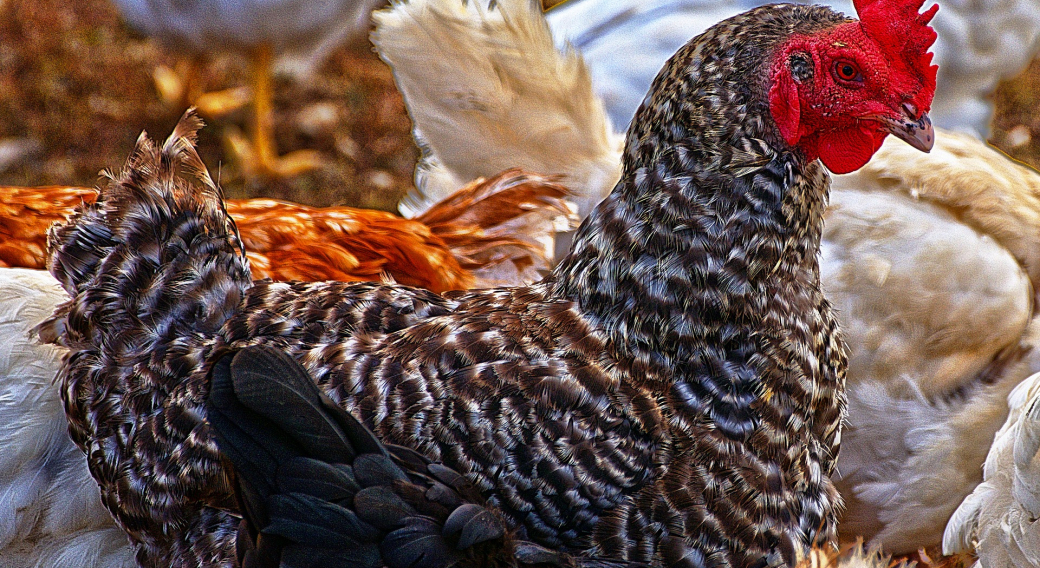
(703, 267)
(154, 267)
(671, 393)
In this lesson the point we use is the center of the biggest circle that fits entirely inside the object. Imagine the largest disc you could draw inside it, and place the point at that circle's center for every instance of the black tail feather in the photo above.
(315, 483)
(318, 489)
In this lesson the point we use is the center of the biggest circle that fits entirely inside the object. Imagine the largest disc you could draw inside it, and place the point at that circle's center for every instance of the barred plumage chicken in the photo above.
(671, 393)
(317, 488)
(930, 259)
(485, 234)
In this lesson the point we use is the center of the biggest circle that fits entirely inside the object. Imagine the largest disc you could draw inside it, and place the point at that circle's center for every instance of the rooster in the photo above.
(671, 393)
(487, 233)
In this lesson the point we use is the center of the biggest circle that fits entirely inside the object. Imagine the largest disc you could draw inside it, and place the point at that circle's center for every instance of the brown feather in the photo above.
(476, 229)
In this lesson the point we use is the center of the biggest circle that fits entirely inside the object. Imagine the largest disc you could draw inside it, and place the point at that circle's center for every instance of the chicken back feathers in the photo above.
(316, 486)
(671, 393)
(485, 234)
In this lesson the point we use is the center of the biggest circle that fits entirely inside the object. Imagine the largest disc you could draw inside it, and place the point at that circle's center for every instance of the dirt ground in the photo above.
(76, 89)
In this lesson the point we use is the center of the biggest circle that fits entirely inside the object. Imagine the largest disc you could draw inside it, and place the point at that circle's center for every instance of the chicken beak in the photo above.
(915, 130)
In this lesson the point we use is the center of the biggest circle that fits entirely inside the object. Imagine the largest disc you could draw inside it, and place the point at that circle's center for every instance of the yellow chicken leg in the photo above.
(259, 156)
(181, 87)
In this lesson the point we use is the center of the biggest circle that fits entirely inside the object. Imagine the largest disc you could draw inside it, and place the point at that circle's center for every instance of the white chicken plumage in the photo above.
(931, 259)
(927, 262)
(50, 510)
(1000, 520)
(293, 28)
(300, 32)
(489, 83)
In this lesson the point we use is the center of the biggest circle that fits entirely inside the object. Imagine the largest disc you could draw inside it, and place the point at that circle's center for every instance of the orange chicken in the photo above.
(479, 236)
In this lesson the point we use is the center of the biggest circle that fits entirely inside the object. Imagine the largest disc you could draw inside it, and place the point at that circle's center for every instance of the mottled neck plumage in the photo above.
(712, 201)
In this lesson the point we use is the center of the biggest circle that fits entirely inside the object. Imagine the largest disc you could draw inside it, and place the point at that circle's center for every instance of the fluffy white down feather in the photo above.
(977, 184)
(930, 258)
(1001, 518)
(625, 42)
(50, 508)
(926, 259)
(920, 293)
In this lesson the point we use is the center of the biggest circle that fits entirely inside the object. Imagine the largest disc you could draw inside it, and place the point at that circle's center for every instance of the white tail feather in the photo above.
(487, 90)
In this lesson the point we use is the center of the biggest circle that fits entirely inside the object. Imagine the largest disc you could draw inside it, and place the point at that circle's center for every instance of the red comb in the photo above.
(899, 24)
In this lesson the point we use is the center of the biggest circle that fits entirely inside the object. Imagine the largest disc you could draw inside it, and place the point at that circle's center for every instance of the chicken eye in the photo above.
(847, 71)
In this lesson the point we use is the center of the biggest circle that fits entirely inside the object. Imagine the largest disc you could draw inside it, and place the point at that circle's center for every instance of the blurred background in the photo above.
(77, 86)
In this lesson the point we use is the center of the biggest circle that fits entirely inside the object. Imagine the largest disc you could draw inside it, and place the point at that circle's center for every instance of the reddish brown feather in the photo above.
(470, 230)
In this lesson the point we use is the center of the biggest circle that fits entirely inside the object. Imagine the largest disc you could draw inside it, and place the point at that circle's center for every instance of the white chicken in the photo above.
(1000, 520)
(304, 31)
(625, 42)
(50, 510)
(935, 294)
(489, 84)
(931, 260)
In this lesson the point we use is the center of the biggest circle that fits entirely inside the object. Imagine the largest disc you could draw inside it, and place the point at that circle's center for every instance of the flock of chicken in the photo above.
(543, 397)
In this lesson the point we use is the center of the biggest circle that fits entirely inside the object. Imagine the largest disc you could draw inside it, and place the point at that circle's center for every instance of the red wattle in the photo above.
(848, 149)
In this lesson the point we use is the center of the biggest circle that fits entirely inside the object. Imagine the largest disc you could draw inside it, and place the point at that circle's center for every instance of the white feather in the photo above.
(50, 508)
(489, 82)
(1000, 520)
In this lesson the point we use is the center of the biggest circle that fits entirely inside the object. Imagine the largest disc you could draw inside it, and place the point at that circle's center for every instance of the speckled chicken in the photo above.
(317, 488)
(930, 259)
(671, 393)
(489, 232)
